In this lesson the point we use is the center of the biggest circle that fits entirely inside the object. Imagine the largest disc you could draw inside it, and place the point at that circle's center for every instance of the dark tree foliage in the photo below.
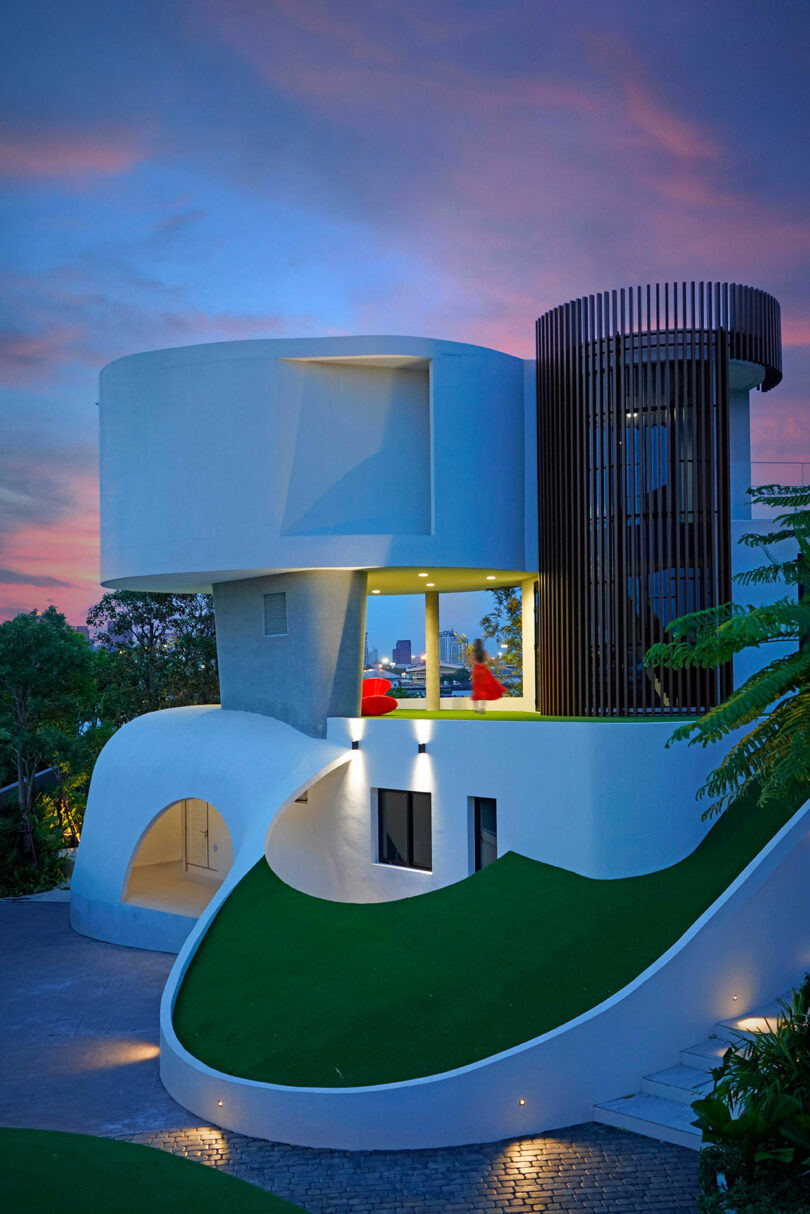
(504, 624)
(770, 712)
(156, 651)
(46, 701)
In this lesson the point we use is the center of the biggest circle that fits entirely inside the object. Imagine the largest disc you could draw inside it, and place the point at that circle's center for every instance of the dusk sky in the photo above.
(194, 170)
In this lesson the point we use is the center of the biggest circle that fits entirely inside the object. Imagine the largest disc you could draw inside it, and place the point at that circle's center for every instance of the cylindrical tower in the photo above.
(634, 513)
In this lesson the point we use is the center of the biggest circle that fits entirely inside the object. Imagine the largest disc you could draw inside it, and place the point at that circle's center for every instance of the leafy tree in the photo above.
(773, 705)
(157, 651)
(504, 624)
(46, 693)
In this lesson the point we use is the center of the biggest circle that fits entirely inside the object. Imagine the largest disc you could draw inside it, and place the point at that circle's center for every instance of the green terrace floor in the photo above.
(44, 1171)
(496, 714)
(292, 989)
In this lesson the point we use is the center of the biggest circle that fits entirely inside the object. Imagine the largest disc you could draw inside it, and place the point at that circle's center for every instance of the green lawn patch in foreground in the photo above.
(291, 989)
(43, 1171)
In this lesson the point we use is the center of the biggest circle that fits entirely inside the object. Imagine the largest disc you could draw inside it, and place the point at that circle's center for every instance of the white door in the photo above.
(197, 855)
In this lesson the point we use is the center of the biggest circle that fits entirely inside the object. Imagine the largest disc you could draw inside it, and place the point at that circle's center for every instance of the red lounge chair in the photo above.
(374, 702)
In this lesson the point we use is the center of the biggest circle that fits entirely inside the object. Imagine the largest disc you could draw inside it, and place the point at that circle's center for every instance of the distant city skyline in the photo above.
(391, 618)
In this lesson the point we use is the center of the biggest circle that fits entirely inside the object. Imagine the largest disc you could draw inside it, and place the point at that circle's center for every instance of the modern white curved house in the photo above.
(293, 477)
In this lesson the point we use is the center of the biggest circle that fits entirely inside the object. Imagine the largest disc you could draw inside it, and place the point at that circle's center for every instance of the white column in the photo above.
(528, 638)
(432, 690)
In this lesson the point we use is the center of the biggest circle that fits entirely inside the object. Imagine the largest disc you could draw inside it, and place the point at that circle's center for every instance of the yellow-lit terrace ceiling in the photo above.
(420, 578)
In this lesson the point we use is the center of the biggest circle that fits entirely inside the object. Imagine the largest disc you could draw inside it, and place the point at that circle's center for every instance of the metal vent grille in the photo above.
(275, 614)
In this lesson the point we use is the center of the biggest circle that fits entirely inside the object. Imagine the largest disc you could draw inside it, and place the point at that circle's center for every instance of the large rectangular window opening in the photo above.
(404, 820)
(485, 831)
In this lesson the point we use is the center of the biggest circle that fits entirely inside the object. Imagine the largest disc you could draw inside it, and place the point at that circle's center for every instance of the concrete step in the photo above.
(760, 1020)
(653, 1116)
(705, 1055)
(680, 1083)
(662, 1108)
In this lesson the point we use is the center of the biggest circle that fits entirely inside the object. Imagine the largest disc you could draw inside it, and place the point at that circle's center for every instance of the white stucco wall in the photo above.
(605, 799)
(164, 839)
(247, 766)
(289, 463)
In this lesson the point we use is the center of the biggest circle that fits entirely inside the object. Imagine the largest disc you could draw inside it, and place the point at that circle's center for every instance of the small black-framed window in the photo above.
(275, 614)
(404, 820)
(485, 831)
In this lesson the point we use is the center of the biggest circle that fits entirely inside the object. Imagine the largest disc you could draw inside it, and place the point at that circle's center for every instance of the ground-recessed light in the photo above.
(423, 575)
(375, 592)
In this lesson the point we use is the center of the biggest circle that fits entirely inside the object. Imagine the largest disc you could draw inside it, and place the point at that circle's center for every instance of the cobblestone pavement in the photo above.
(79, 1052)
(588, 1167)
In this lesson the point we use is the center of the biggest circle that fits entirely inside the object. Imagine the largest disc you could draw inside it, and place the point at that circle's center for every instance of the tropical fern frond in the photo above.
(767, 718)
(791, 497)
(795, 573)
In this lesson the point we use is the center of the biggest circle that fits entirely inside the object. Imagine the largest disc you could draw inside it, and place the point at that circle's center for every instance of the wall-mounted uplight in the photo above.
(521, 1102)
(356, 744)
(219, 1104)
(421, 748)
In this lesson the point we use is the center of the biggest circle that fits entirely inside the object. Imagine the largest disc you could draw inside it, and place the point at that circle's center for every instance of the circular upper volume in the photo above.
(241, 458)
(750, 318)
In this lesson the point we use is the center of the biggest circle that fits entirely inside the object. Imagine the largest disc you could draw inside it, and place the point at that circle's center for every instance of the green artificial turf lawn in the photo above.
(469, 714)
(291, 989)
(43, 1171)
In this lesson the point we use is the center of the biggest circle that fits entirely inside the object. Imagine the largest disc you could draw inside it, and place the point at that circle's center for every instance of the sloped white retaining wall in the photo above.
(754, 941)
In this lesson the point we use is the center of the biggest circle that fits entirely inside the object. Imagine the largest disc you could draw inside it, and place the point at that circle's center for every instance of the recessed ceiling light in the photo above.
(423, 575)
(430, 583)
(375, 592)
(490, 577)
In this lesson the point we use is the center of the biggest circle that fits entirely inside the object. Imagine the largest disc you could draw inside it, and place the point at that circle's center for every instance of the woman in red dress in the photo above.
(484, 684)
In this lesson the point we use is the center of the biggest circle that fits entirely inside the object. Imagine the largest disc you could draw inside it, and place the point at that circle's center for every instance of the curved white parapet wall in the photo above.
(248, 767)
(556, 1079)
(340, 452)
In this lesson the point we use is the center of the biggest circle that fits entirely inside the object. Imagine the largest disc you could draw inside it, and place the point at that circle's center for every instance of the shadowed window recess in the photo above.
(404, 821)
(485, 831)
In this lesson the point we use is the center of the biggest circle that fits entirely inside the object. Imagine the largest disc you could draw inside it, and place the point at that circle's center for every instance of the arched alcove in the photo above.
(181, 860)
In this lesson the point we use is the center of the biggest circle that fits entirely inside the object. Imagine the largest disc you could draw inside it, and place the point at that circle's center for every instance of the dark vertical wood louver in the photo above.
(634, 515)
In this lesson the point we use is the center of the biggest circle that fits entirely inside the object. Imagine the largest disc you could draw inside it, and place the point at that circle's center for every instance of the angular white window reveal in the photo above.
(275, 614)
(360, 457)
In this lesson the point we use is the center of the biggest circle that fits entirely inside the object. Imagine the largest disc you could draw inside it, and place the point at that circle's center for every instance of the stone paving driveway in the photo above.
(78, 1052)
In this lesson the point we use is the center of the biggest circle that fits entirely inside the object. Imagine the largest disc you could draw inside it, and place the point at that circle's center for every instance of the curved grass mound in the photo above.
(43, 1170)
(290, 989)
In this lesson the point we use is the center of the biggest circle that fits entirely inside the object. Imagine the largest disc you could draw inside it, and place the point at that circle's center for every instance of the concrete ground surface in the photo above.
(79, 1052)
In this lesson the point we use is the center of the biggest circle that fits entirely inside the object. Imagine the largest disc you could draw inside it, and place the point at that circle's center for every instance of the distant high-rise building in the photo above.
(451, 649)
(402, 653)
